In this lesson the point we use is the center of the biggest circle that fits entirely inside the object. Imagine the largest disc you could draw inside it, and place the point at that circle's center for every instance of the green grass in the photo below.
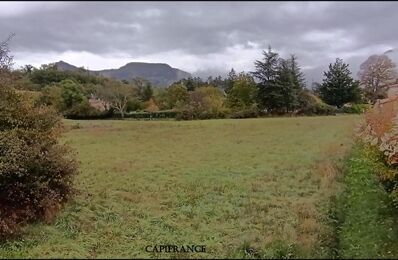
(244, 188)
(369, 225)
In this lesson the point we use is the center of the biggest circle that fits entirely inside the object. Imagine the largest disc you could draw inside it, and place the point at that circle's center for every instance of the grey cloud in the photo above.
(203, 28)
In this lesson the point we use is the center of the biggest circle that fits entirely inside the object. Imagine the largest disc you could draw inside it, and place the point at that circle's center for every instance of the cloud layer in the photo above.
(204, 38)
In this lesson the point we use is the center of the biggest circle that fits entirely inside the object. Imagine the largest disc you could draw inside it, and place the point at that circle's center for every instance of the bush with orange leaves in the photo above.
(381, 130)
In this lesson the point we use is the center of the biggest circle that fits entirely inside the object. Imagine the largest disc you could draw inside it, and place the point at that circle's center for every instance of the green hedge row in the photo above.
(183, 115)
(152, 115)
(90, 116)
(133, 115)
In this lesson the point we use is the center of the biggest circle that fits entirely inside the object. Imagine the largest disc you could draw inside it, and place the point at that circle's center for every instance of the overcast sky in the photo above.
(199, 37)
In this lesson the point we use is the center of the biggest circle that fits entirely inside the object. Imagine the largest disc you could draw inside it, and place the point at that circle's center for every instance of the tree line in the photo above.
(277, 86)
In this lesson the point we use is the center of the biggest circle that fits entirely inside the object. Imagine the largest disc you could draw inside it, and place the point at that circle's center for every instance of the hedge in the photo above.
(151, 115)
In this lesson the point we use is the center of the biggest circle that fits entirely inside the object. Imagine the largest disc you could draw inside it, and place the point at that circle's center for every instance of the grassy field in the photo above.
(368, 222)
(242, 188)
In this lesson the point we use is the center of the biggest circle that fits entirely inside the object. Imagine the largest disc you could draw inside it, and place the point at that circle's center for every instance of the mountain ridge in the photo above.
(159, 74)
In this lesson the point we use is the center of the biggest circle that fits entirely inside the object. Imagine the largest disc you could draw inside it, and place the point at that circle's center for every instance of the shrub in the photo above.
(204, 103)
(52, 96)
(35, 170)
(243, 92)
(250, 112)
(134, 104)
(355, 108)
(192, 113)
(175, 96)
(324, 109)
(84, 110)
(380, 130)
(318, 109)
(313, 105)
(150, 106)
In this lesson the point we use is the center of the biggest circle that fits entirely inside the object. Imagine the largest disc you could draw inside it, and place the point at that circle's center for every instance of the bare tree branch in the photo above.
(376, 74)
(6, 61)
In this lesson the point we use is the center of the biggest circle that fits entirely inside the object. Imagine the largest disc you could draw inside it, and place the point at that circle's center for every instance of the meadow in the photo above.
(243, 188)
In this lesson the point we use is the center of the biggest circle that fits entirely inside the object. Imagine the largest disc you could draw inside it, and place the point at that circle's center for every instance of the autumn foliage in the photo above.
(36, 171)
(381, 130)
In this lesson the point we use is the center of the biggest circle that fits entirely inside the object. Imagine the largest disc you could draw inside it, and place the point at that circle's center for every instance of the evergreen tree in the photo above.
(299, 85)
(298, 76)
(219, 82)
(191, 83)
(266, 72)
(281, 82)
(286, 89)
(229, 81)
(338, 87)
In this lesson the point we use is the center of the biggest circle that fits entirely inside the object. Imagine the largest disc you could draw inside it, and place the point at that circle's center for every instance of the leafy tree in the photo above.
(160, 96)
(144, 89)
(147, 93)
(191, 83)
(177, 96)
(243, 93)
(116, 94)
(75, 104)
(338, 87)
(376, 74)
(71, 93)
(204, 102)
(52, 96)
(48, 74)
(21, 81)
(134, 104)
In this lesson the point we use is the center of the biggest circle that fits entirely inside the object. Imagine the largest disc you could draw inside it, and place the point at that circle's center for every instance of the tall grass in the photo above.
(244, 188)
(367, 220)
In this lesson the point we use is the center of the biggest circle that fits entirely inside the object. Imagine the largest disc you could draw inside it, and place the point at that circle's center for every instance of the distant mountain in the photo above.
(159, 74)
(61, 65)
